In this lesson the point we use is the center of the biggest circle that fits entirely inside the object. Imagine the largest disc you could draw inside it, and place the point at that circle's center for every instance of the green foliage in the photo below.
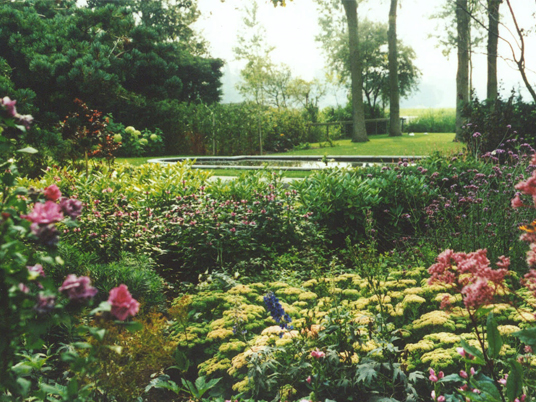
(135, 143)
(135, 59)
(135, 271)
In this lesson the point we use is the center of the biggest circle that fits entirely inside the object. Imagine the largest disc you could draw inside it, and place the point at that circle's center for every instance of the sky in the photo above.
(292, 30)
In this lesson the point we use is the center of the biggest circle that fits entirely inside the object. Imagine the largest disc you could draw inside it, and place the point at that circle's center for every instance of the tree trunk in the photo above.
(359, 133)
(394, 91)
(493, 40)
(462, 76)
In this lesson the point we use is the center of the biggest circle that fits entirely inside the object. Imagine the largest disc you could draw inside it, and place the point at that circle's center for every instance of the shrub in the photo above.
(135, 271)
(127, 361)
(501, 125)
(433, 121)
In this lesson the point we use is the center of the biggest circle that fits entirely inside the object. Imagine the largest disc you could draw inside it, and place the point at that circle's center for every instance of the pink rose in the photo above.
(45, 303)
(45, 214)
(78, 288)
(71, 207)
(122, 303)
(52, 193)
(38, 268)
(318, 354)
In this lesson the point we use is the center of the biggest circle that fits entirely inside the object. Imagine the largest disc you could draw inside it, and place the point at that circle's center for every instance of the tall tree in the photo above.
(359, 132)
(394, 93)
(373, 48)
(493, 41)
(462, 75)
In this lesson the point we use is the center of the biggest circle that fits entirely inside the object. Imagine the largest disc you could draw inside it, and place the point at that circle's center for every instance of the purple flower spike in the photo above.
(78, 288)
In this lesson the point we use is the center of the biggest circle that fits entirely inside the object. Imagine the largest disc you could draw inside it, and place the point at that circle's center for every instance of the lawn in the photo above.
(419, 144)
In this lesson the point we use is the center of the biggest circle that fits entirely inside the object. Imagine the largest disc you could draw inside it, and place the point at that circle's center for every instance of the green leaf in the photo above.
(131, 326)
(527, 336)
(51, 389)
(28, 150)
(490, 389)
(514, 383)
(479, 357)
(366, 373)
(82, 345)
(495, 341)
(115, 348)
(451, 378)
(103, 307)
(72, 388)
(181, 360)
(24, 385)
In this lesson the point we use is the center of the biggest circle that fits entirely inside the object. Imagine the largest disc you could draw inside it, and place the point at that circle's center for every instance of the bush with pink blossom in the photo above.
(30, 303)
(490, 377)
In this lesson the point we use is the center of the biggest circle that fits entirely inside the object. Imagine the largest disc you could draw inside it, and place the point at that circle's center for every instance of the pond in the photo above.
(305, 162)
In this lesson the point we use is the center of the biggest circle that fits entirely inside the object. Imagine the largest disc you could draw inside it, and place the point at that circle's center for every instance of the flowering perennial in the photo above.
(78, 288)
(122, 302)
(277, 312)
(471, 274)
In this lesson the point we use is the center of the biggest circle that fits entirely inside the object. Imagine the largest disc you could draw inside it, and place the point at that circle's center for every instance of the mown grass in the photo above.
(405, 145)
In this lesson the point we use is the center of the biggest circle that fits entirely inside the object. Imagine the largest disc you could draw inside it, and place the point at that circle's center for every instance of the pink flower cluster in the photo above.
(471, 274)
(528, 187)
(45, 215)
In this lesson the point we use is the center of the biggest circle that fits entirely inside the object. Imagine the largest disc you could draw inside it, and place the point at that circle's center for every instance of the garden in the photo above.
(412, 281)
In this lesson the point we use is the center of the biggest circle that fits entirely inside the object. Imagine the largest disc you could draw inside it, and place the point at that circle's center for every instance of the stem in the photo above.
(489, 362)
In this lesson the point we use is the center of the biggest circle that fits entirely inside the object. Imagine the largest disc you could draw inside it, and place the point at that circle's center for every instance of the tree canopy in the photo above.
(124, 57)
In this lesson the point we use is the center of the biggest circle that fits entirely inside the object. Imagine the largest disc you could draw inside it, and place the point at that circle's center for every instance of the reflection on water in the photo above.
(284, 163)
(278, 163)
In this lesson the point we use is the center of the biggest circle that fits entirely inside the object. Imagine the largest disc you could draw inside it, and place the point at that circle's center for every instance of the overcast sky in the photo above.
(292, 29)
